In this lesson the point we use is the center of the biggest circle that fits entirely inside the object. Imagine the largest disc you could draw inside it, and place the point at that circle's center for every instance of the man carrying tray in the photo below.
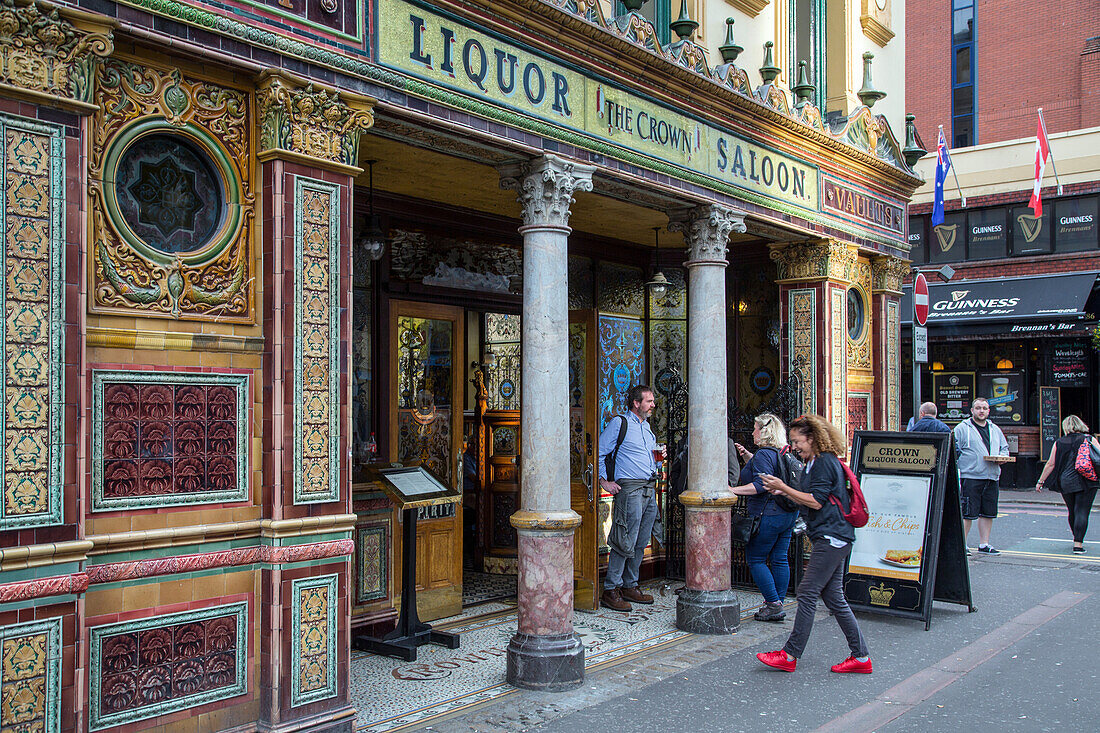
(980, 446)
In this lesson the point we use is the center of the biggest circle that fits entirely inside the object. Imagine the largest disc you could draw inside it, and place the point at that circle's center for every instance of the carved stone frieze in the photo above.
(706, 230)
(545, 188)
(888, 273)
(171, 196)
(826, 259)
(307, 121)
(44, 56)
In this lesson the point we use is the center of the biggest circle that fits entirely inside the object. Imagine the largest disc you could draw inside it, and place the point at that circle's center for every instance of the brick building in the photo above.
(981, 70)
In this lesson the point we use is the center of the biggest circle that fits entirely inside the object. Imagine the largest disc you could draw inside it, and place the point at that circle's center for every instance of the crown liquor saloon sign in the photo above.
(912, 550)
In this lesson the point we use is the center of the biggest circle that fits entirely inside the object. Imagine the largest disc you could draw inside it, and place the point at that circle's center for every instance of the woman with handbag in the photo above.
(1067, 471)
(766, 551)
(817, 442)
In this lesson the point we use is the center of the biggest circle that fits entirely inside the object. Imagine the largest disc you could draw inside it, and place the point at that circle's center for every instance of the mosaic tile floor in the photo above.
(392, 695)
(478, 588)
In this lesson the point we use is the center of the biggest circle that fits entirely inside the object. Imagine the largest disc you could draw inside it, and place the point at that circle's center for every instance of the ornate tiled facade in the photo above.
(164, 439)
(313, 644)
(316, 341)
(802, 338)
(838, 356)
(31, 300)
(30, 677)
(893, 359)
(142, 669)
(372, 547)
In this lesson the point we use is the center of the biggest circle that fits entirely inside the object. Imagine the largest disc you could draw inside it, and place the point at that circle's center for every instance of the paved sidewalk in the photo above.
(1031, 496)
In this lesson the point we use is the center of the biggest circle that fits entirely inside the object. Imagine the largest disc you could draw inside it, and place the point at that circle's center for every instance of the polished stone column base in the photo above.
(713, 612)
(550, 662)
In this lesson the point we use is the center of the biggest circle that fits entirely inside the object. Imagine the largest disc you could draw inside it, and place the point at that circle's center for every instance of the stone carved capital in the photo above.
(888, 273)
(48, 58)
(303, 120)
(826, 259)
(706, 230)
(545, 188)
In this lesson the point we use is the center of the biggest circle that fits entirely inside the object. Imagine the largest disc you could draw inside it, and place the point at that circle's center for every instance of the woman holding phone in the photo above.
(818, 442)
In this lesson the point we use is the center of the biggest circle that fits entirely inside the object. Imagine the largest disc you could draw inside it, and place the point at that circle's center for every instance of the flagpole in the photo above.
(1050, 152)
(956, 176)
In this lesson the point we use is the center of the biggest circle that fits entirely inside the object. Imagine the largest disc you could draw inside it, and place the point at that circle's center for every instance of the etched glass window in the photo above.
(502, 375)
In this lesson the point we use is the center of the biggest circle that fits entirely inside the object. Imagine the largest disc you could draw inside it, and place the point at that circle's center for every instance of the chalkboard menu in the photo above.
(1069, 365)
(1050, 419)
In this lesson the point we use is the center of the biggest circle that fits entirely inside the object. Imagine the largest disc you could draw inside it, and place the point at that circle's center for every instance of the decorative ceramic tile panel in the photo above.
(893, 354)
(32, 200)
(316, 341)
(859, 349)
(313, 639)
(158, 665)
(838, 353)
(168, 439)
(802, 348)
(667, 363)
(621, 289)
(30, 677)
(857, 413)
(621, 359)
(371, 562)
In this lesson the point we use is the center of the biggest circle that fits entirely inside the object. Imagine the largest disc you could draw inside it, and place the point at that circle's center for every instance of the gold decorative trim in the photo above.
(888, 273)
(546, 521)
(875, 30)
(311, 123)
(751, 8)
(814, 261)
(279, 528)
(127, 338)
(703, 500)
(35, 556)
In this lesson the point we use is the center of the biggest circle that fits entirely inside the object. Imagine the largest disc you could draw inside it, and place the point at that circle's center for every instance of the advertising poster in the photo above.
(1005, 392)
(891, 545)
(952, 393)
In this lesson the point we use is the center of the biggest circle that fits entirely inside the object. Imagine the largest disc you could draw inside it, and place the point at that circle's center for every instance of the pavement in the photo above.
(1024, 661)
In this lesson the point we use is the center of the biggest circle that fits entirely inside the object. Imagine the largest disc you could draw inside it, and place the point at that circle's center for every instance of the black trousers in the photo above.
(1079, 504)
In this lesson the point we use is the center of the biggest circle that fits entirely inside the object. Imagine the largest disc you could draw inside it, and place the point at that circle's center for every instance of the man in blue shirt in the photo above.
(629, 473)
(927, 422)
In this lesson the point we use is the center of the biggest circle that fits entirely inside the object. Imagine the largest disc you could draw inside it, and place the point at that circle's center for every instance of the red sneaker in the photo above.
(778, 659)
(851, 664)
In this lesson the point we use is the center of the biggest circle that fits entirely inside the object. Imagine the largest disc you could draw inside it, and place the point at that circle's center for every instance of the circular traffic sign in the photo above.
(920, 299)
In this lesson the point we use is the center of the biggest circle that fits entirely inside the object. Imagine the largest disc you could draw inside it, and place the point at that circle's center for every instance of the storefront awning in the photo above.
(1033, 304)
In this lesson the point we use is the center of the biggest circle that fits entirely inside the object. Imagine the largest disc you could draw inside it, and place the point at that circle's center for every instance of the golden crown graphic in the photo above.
(1031, 226)
(946, 234)
(881, 595)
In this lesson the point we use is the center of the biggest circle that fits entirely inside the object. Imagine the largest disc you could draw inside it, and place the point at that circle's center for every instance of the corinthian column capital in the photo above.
(888, 273)
(545, 188)
(706, 231)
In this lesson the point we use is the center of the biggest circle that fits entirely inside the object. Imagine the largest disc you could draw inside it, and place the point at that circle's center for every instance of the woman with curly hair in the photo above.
(818, 443)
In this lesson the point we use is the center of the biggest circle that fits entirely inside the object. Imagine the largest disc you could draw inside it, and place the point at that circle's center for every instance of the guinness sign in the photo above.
(946, 235)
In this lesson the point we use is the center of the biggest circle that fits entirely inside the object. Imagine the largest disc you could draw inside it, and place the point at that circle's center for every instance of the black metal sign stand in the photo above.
(411, 632)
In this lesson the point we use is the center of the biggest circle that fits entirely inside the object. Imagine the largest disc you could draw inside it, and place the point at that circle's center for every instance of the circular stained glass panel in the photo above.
(857, 314)
(169, 193)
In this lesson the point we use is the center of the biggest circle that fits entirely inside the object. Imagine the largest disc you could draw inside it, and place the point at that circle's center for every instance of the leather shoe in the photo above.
(613, 599)
(636, 596)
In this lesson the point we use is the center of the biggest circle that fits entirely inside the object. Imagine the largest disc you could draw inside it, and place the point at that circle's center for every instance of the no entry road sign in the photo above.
(920, 299)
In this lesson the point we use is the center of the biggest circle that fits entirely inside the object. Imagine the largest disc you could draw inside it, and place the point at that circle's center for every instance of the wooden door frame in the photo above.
(588, 556)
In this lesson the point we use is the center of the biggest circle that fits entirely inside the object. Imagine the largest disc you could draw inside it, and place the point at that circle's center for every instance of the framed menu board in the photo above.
(912, 550)
(1050, 419)
(952, 393)
(1069, 365)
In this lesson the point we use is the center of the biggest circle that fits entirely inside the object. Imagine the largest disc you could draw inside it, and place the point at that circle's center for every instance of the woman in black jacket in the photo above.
(818, 442)
(1077, 492)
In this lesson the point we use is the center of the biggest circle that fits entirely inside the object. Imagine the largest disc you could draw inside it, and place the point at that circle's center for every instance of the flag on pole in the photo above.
(1042, 152)
(943, 165)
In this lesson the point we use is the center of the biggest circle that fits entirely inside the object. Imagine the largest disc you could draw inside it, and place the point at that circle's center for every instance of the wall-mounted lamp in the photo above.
(372, 242)
(658, 284)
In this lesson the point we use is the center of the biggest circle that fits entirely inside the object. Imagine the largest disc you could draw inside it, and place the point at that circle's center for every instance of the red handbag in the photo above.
(1083, 463)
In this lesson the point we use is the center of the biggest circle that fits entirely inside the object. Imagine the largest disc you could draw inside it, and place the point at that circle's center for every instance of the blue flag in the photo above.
(943, 164)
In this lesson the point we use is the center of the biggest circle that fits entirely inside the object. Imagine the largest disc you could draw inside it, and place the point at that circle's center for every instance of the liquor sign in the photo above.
(1069, 365)
(952, 392)
(912, 550)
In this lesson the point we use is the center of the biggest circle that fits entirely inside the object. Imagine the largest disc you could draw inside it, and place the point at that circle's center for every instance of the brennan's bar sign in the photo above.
(856, 204)
(423, 43)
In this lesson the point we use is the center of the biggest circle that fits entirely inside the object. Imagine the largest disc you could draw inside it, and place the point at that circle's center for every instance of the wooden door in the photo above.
(427, 368)
(582, 457)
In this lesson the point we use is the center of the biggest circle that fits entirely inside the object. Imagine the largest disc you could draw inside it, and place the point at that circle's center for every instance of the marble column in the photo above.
(707, 605)
(887, 275)
(545, 654)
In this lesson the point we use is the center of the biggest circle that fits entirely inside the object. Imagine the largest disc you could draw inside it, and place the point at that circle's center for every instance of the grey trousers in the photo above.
(825, 578)
(632, 513)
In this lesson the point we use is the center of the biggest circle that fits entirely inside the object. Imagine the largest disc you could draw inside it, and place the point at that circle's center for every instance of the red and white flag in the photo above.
(1042, 152)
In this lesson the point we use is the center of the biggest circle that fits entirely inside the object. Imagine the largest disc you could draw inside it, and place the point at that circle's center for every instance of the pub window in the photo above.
(947, 243)
(807, 43)
(1076, 224)
(987, 234)
(964, 74)
(657, 12)
(918, 239)
(501, 357)
(1030, 235)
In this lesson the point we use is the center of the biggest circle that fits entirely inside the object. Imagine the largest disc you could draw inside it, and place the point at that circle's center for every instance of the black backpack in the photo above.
(790, 471)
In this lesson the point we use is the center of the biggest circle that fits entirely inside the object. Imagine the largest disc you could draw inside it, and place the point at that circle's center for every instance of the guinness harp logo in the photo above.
(946, 234)
(1030, 226)
(957, 295)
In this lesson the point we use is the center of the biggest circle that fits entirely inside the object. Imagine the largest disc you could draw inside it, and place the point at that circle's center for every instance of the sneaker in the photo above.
(989, 550)
(851, 664)
(1078, 549)
(777, 659)
(770, 612)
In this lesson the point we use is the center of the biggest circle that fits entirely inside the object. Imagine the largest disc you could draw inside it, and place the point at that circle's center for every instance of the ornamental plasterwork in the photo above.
(888, 273)
(750, 8)
(545, 188)
(48, 58)
(706, 230)
(304, 120)
(167, 150)
(874, 18)
(809, 261)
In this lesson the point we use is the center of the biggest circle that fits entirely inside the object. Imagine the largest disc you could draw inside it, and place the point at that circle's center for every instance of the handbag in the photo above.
(1087, 459)
(743, 527)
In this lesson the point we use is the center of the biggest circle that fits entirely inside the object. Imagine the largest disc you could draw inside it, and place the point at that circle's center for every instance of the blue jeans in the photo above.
(766, 555)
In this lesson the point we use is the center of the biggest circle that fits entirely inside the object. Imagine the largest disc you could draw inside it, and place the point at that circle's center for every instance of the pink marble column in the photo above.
(546, 583)
(708, 548)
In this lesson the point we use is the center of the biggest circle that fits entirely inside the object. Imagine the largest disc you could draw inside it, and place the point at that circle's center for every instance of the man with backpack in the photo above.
(628, 471)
